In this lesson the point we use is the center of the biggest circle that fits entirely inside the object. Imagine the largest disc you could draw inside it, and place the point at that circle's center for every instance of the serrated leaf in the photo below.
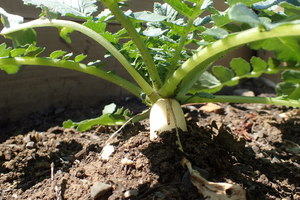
(221, 19)
(153, 32)
(180, 7)
(23, 37)
(79, 8)
(97, 26)
(4, 52)
(258, 64)
(288, 89)
(241, 13)
(17, 52)
(222, 73)
(291, 76)
(108, 109)
(33, 51)
(217, 33)
(240, 66)
(264, 4)
(80, 57)
(10, 69)
(108, 117)
(165, 10)
(206, 83)
(202, 21)
(148, 16)
(290, 9)
(285, 48)
(57, 54)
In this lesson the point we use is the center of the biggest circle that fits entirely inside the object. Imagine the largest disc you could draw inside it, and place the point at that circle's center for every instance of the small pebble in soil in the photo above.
(106, 152)
(99, 189)
(130, 193)
(127, 162)
(30, 145)
(244, 92)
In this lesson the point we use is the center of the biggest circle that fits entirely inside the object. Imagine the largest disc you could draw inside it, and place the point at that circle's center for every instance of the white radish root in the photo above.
(165, 115)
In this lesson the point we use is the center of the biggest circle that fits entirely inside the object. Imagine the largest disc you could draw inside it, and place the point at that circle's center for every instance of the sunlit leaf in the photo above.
(79, 8)
(217, 33)
(10, 69)
(222, 73)
(80, 57)
(241, 13)
(57, 54)
(240, 66)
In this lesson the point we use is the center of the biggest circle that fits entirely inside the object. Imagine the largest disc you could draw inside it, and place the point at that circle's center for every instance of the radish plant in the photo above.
(170, 51)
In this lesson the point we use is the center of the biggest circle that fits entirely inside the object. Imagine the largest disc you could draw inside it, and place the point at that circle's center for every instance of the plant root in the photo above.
(210, 190)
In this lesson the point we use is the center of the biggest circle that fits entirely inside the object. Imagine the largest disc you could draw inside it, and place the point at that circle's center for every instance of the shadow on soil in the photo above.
(38, 167)
(219, 157)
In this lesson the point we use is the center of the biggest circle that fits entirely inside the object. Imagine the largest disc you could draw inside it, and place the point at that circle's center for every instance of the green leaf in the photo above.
(217, 33)
(246, 2)
(17, 52)
(241, 13)
(221, 19)
(4, 52)
(180, 7)
(240, 66)
(148, 16)
(10, 69)
(23, 37)
(78, 8)
(222, 73)
(291, 76)
(258, 64)
(108, 117)
(33, 50)
(291, 9)
(57, 54)
(285, 48)
(153, 32)
(206, 83)
(20, 38)
(97, 26)
(288, 89)
(108, 109)
(80, 57)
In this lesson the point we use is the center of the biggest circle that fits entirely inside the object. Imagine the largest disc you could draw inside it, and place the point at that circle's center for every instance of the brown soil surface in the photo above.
(255, 146)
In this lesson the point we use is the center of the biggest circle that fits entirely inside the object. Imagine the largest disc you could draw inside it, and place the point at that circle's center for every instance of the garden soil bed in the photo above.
(255, 146)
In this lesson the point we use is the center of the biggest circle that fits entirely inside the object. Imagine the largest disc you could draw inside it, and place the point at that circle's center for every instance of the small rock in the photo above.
(139, 164)
(27, 138)
(106, 152)
(244, 92)
(30, 145)
(99, 189)
(126, 161)
(212, 107)
(131, 193)
(8, 155)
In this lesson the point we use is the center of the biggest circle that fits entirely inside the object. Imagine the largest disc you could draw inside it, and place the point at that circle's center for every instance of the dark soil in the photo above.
(255, 146)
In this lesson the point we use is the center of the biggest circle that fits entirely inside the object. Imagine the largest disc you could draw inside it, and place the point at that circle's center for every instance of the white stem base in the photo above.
(165, 115)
